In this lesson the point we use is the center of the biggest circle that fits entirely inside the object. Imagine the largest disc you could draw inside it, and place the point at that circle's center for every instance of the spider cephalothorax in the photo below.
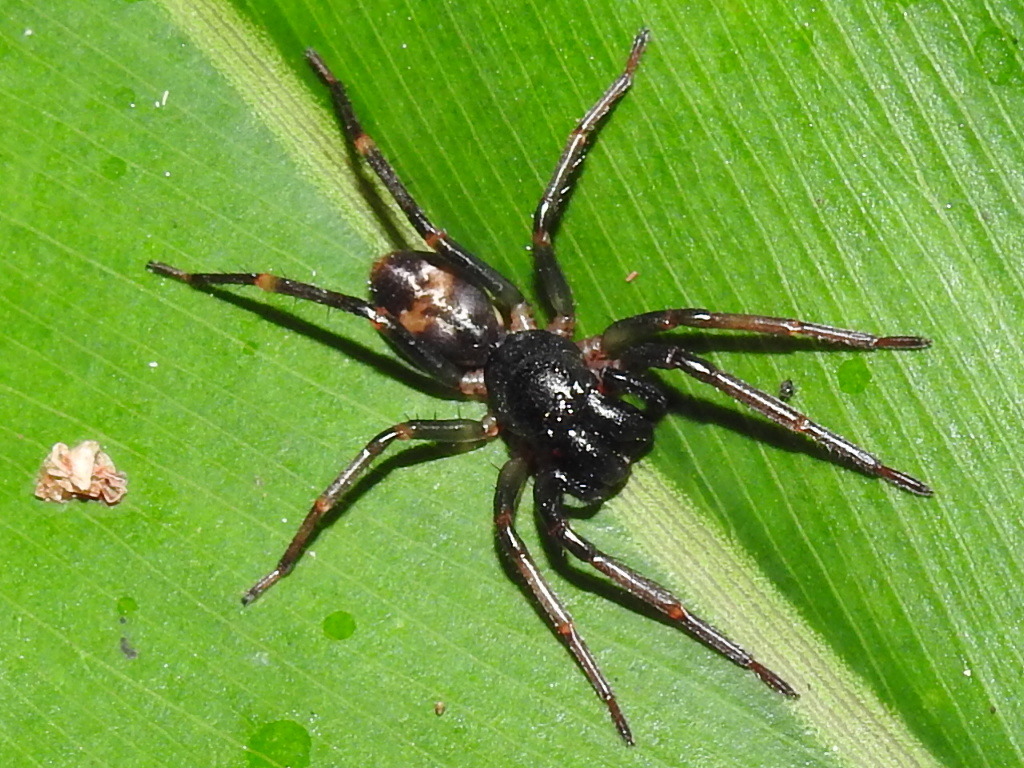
(541, 391)
(561, 405)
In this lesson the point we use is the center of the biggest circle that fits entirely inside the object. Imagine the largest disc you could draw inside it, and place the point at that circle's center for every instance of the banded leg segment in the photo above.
(549, 506)
(421, 355)
(439, 431)
(673, 357)
(631, 330)
(464, 262)
(552, 203)
(506, 500)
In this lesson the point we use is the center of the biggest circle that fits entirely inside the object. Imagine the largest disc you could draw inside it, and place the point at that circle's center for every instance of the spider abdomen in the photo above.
(435, 305)
(542, 391)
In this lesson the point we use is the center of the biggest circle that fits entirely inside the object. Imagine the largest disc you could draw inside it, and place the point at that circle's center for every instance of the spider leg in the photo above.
(506, 498)
(464, 262)
(438, 431)
(631, 383)
(630, 330)
(552, 203)
(674, 357)
(422, 355)
(549, 507)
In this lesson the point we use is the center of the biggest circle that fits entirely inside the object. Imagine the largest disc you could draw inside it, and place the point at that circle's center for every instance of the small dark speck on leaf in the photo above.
(786, 390)
(127, 649)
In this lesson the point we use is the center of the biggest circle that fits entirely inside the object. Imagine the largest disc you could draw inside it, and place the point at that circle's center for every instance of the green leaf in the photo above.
(852, 163)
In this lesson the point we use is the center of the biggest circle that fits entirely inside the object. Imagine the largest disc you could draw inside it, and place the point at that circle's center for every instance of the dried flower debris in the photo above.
(82, 472)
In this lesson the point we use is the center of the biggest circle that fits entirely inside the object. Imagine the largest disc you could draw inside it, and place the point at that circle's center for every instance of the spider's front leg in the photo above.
(632, 330)
(675, 357)
(438, 431)
(506, 500)
(549, 506)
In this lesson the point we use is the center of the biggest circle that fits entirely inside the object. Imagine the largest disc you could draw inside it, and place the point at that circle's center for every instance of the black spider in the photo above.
(558, 403)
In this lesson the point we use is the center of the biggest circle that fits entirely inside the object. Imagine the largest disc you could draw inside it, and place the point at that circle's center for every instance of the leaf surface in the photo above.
(852, 163)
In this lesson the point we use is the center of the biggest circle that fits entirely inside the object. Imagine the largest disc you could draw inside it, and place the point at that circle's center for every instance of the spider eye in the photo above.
(437, 306)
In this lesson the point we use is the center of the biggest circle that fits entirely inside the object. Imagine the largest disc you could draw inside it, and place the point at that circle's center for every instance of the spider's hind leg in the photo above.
(459, 258)
(424, 356)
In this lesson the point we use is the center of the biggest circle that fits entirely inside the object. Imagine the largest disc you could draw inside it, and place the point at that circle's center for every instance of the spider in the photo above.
(560, 404)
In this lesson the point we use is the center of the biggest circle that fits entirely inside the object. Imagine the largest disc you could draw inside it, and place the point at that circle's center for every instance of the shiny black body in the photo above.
(575, 414)
(541, 390)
